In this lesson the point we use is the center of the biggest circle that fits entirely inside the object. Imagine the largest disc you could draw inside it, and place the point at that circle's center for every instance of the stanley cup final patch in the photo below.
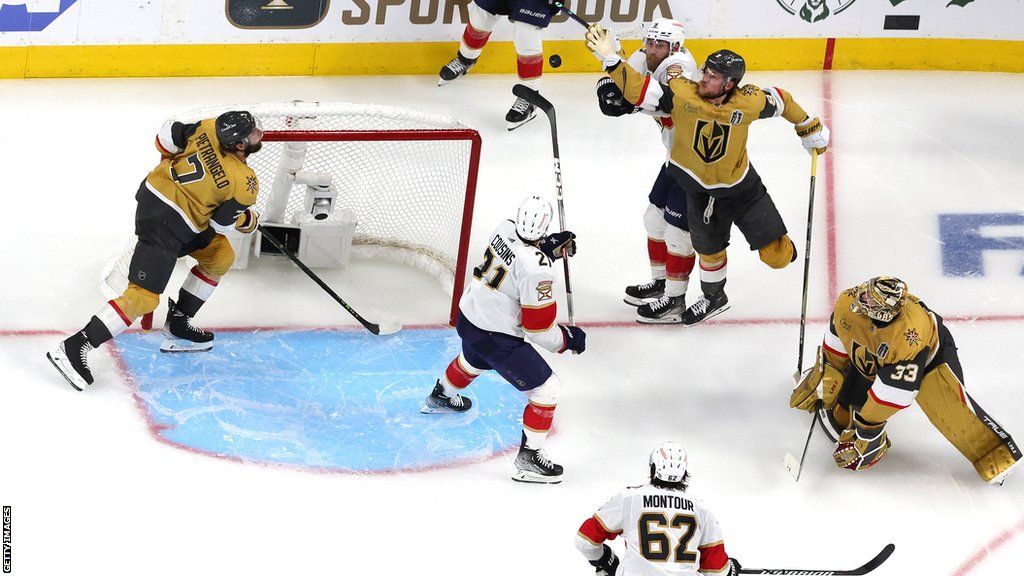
(545, 290)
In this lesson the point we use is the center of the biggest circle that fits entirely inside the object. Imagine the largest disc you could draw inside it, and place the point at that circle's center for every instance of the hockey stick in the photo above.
(387, 327)
(570, 14)
(790, 462)
(533, 97)
(866, 568)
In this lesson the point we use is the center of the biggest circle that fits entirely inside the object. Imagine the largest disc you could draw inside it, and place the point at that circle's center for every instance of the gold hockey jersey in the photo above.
(710, 140)
(200, 178)
(894, 356)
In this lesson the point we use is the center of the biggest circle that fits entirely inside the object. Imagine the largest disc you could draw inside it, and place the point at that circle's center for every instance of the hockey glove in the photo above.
(813, 135)
(861, 445)
(607, 564)
(611, 100)
(552, 245)
(575, 339)
(823, 374)
(604, 46)
(248, 221)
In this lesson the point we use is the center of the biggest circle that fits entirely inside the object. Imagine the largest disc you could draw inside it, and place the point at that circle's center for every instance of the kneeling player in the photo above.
(512, 299)
(202, 186)
(667, 531)
(883, 350)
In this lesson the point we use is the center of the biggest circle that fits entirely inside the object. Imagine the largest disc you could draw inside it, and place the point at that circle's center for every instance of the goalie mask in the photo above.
(880, 298)
(533, 218)
(668, 463)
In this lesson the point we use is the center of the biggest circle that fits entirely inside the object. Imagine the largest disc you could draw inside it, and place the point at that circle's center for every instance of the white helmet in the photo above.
(533, 218)
(668, 462)
(670, 31)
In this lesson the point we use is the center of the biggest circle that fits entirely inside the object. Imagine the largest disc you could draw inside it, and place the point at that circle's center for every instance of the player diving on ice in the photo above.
(201, 188)
(883, 350)
(708, 160)
(669, 249)
(666, 530)
(509, 305)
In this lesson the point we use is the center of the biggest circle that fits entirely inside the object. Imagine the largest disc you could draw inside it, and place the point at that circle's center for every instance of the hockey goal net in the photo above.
(408, 176)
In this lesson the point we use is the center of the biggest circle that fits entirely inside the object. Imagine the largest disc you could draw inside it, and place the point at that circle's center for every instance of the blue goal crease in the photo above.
(324, 400)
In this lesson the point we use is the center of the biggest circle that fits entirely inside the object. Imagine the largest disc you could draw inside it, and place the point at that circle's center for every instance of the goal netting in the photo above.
(408, 176)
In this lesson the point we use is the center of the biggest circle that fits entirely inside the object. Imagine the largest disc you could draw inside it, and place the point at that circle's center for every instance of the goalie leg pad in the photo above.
(956, 415)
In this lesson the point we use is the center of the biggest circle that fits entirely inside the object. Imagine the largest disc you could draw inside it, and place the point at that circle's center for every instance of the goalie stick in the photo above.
(533, 97)
(388, 327)
(866, 568)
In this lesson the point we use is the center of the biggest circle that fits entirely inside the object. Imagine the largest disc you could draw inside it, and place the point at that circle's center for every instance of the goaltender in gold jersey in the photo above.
(885, 349)
(708, 160)
(201, 189)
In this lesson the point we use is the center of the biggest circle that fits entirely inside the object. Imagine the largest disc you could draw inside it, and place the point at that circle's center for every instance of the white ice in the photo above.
(93, 493)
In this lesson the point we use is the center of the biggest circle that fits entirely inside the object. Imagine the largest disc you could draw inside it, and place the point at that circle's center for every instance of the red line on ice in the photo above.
(983, 553)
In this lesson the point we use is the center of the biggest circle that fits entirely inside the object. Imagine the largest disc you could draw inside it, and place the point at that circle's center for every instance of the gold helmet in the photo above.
(880, 298)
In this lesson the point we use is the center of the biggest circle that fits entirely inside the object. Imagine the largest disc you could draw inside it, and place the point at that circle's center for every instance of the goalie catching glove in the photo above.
(813, 135)
(248, 221)
(553, 244)
(824, 374)
(861, 445)
(611, 99)
(604, 46)
(607, 564)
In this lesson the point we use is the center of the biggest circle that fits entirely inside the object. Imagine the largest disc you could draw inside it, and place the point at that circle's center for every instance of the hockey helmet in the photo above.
(533, 218)
(880, 298)
(238, 127)
(666, 30)
(727, 63)
(668, 463)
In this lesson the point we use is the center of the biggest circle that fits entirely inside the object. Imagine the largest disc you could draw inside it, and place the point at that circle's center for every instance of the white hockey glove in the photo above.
(813, 135)
(604, 45)
(248, 221)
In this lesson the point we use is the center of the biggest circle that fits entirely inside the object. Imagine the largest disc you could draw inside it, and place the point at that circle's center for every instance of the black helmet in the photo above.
(235, 127)
(728, 64)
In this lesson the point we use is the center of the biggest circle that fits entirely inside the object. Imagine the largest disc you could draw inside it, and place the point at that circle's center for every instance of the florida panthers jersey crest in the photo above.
(513, 290)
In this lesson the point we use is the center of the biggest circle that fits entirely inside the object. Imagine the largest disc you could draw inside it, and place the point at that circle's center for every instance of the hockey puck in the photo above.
(555, 60)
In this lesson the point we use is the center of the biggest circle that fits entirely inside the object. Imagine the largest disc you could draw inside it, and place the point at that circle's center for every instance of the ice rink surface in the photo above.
(95, 489)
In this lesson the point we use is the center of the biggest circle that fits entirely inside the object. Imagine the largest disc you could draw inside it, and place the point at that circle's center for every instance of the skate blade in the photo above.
(428, 409)
(639, 301)
(64, 374)
(710, 316)
(442, 81)
(531, 478)
(513, 125)
(176, 345)
(664, 320)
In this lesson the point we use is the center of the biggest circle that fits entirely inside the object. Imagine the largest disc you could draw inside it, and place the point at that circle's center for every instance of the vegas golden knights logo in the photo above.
(865, 361)
(710, 140)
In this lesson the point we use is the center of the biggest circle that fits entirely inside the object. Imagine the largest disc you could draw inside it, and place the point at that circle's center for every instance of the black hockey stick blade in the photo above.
(389, 327)
(865, 569)
(533, 97)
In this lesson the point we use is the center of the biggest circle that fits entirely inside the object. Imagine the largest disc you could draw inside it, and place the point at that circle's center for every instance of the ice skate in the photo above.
(439, 403)
(520, 113)
(70, 358)
(533, 466)
(706, 308)
(182, 335)
(639, 294)
(665, 310)
(455, 69)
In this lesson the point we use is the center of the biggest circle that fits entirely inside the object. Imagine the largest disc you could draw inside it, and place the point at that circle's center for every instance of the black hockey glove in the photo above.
(575, 340)
(608, 563)
(552, 245)
(611, 100)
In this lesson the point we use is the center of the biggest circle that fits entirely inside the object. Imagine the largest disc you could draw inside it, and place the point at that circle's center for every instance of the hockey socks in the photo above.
(195, 291)
(537, 422)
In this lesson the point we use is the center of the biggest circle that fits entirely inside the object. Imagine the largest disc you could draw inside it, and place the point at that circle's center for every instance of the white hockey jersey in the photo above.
(512, 291)
(679, 64)
(667, 532)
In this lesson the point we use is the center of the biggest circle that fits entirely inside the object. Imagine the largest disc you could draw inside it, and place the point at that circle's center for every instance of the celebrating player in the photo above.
(528, 18)
(709, 159)
(884, 349)
(201, 186)
(666, 530)
(511, 299)
(669, 248)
